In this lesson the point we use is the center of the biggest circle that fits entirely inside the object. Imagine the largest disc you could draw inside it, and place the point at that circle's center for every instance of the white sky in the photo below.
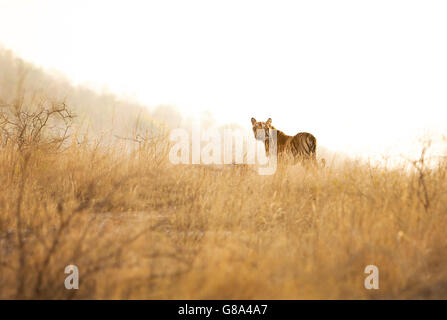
(363, 76)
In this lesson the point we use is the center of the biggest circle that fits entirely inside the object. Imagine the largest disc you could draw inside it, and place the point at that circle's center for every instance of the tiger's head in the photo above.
(266, 126)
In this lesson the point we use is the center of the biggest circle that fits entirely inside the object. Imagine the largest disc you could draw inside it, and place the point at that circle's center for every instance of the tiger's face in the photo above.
(266, 126)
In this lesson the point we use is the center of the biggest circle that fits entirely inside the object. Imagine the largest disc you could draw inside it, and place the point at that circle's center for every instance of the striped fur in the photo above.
(300, 147)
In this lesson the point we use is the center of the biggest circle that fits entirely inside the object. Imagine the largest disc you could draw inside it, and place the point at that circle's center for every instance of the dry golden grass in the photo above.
(140, 227)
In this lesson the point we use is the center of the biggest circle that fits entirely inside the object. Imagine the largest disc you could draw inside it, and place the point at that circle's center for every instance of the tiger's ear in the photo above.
(253, 120)
(269, 121)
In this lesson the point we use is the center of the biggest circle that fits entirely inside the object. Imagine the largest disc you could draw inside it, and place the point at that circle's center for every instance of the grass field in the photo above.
(139, 227)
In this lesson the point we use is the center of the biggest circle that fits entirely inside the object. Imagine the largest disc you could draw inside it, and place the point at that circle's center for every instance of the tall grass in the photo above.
(139, 227)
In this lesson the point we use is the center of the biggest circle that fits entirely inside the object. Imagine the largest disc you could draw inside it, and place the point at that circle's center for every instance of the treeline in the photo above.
(97, 113)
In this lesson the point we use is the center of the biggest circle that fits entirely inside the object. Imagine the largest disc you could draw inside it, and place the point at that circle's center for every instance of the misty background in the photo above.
(366, 78)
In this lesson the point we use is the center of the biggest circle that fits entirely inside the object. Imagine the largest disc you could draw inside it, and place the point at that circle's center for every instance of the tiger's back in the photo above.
(304, 144)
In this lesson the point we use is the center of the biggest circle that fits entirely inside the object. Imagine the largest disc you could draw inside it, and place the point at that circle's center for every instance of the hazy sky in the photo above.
(363, 76)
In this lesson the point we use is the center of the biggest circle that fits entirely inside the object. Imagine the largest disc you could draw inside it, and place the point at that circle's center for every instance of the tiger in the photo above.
(299, 148)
